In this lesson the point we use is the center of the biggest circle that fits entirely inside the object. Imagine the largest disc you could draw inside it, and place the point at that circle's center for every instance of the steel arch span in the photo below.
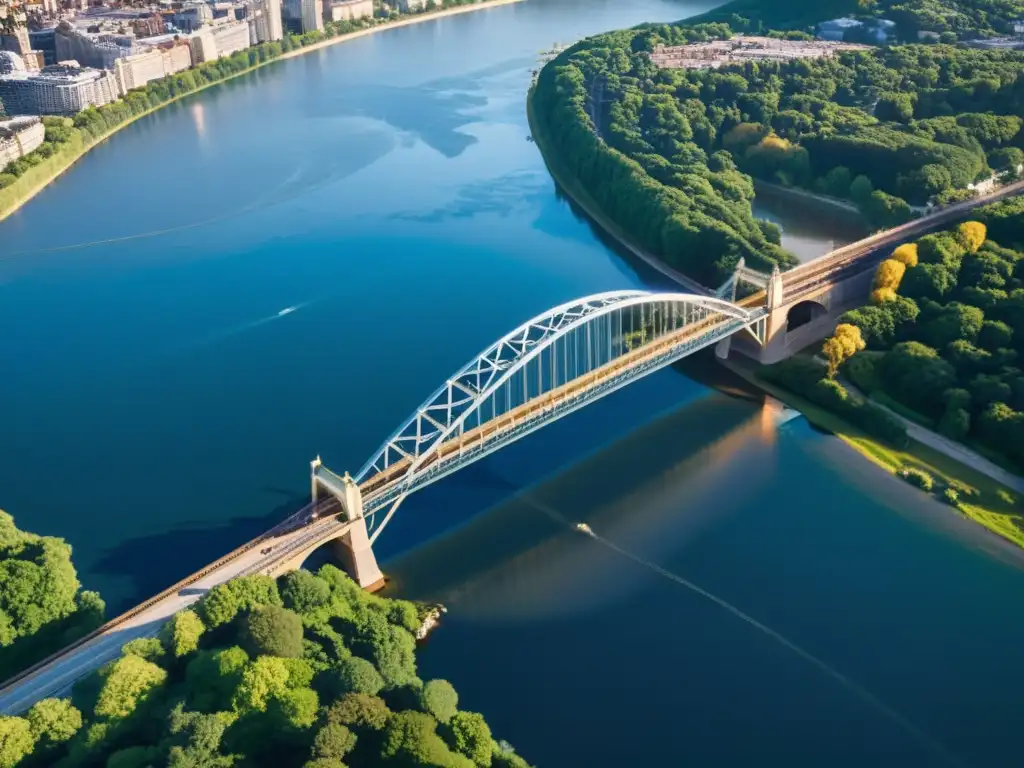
(548, 367)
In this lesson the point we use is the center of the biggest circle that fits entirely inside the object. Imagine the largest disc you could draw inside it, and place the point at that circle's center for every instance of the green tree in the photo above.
(262, 679)
(995, 335)
(952, 322)
(410, 738)
(148, 648)
(53, 721)
(360, 712)
(297, 707)
(16, 740)
(356, 675)
(861, 189)
(915, 374)
(127, 682)
(333, 741)
(391, 648)
(212, 677)
(303, 592)
(469, 735)
(439, 699)
(180, 635)
(273, 631)
(225, 601)
(197, 740)
(927, 281)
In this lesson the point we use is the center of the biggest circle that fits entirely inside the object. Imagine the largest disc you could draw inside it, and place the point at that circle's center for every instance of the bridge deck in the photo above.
(379, 485)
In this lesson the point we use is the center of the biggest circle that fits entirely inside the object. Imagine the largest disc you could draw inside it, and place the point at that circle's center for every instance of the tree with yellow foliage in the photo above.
(971, 235)
(843, 344)
(889, 274)
(882, 295)
(907, 254)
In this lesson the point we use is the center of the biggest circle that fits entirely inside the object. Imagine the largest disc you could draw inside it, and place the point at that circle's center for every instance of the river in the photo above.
(286, 264)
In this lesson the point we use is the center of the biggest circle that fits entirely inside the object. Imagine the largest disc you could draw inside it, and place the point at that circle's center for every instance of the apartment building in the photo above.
(18, 137)
(57, 90)
(349, 10)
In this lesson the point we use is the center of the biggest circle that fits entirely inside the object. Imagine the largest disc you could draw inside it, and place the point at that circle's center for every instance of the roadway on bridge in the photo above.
(57, 677)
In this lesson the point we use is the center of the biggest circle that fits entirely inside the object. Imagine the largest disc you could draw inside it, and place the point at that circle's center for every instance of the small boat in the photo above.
(584, 528)
(286, 311)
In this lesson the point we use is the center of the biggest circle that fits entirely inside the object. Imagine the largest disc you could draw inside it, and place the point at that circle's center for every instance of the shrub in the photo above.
(917, 477)
(951, 497)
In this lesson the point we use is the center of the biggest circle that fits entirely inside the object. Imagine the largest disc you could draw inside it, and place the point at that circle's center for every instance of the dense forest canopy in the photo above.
(945, 331)
(305, 672)
(42, 607)
(668, 153)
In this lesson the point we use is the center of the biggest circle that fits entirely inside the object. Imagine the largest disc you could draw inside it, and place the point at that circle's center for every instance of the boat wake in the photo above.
(229, 333)
(864, 695)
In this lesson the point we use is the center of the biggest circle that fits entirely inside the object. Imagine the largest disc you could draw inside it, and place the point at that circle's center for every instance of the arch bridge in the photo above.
(548, 367)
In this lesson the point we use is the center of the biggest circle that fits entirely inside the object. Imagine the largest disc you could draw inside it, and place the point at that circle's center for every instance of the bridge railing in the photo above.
(172, 590)
(465, 449)
(942, 216)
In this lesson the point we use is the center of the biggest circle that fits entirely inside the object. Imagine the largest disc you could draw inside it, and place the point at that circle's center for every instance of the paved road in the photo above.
(956, 451)
(57, 677)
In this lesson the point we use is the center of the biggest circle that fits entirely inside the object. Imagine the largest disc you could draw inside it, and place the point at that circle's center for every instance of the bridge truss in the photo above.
(541, 371)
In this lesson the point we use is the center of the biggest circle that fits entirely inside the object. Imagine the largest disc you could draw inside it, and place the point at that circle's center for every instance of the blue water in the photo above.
(287, 264)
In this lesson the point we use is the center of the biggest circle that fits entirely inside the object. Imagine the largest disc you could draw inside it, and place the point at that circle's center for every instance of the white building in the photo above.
(349, 10)
(231, 37)
(272, 14)
(18, 137)
(57, 90)
(312, 17)
(135, 71)
(265, 22)
(204, 48)
(210, 43)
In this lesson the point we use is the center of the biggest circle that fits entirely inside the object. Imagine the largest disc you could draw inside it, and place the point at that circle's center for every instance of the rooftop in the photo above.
(740, 48)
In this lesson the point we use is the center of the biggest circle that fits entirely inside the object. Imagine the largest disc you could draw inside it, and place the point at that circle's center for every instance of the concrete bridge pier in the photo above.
(356, 551)
(358, 557)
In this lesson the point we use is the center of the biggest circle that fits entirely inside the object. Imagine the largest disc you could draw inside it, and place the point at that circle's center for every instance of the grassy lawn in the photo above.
(989, 507)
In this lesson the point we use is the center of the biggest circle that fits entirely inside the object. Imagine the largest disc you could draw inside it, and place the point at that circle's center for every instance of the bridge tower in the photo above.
(356, 549)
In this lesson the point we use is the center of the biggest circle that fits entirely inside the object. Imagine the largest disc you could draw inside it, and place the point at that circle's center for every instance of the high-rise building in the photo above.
(231, 37)
(265, 23)
(312, 15)
(272, 13)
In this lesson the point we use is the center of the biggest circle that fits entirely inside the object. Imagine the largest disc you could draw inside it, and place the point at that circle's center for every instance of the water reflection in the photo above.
(517, 563)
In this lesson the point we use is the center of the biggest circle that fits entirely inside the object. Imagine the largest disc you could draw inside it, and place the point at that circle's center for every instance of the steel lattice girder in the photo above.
(446, 410)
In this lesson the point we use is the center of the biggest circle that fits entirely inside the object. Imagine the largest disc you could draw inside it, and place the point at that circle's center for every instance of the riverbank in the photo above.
(574, 190)
(13, 197)
(988, 506)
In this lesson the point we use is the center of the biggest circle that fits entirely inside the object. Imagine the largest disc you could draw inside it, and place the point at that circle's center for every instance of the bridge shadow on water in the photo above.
(154, 562)
(697, 438)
